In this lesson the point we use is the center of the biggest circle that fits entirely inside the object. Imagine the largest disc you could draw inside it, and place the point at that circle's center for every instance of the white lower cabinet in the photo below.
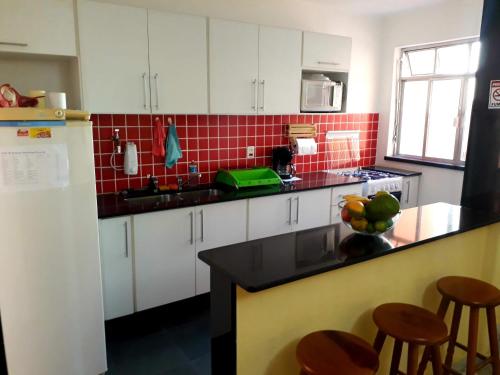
(409, 193)
(338, 196)
(217, 225)
(115, 239)
(283, 213)
(164, 257)
(167, 243)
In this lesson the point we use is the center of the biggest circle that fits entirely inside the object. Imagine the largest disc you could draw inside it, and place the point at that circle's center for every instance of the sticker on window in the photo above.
(494, 95)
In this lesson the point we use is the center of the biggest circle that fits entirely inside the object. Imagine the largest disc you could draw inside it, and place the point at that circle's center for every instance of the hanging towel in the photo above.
(158, 138)
(174, 151)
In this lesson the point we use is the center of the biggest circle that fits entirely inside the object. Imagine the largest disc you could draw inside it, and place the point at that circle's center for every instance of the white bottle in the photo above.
(130, 164)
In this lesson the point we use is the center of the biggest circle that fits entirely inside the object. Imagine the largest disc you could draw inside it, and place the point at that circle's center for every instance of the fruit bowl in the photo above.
(370, 216)
(375, 233)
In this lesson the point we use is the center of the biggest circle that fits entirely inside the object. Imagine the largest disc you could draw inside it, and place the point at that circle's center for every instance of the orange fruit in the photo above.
(356, 209)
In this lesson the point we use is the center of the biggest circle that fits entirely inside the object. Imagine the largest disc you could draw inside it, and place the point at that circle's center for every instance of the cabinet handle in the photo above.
(144, 90)
(14, 44)
(328, 63)
(157, 105)
(263, 83)
(254, 94)
(297, 212)
(202, 226)
(126, 239)
(407, 192)
(191, 241)
(289, 211)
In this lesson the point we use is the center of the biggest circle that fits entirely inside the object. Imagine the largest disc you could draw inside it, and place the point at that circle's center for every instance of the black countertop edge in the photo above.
(468, 220)
(396, 171)
(425, 162)
(114, 205)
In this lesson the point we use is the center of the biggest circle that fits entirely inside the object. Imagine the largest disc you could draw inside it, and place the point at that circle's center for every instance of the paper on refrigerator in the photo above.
(33, 167)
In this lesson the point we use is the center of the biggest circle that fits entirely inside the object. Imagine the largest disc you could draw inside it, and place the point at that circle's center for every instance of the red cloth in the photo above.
(159, 136)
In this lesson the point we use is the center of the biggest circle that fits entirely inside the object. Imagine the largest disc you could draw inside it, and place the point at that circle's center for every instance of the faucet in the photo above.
(188, 181)
(153, 184)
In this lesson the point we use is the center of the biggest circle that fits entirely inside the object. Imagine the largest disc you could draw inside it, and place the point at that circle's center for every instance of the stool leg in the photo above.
(457, 314)
(396, 357)
(412, 359)
(492, 332)
(442, 309)
(472, 341)
(379, 341)
(437, 366)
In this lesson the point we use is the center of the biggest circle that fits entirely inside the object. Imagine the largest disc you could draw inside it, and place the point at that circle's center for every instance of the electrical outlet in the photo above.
(250, 152)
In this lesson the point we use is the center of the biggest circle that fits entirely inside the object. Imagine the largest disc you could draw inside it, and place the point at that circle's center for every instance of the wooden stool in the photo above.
(336, 353)
(476, 294)
(413, 325)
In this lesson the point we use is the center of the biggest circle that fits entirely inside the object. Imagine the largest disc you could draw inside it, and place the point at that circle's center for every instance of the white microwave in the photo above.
(320, 94)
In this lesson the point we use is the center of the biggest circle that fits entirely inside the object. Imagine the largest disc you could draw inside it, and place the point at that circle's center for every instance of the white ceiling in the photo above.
(378, 7)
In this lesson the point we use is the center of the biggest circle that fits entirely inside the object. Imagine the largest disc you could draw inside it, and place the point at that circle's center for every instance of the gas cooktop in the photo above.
(375, 180)
(368, 174)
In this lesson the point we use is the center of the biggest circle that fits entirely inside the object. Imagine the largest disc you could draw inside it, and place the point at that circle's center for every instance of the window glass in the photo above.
(453, 60)
(421, 62)
(474, 57)
(471, 87)
(443, 118)
(405, 66)
(413, 115)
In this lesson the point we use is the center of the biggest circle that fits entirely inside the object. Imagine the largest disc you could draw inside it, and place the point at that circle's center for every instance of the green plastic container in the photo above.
(247, 178)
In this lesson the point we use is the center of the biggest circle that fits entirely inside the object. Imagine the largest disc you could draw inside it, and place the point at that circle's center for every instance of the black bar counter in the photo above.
(270, 262)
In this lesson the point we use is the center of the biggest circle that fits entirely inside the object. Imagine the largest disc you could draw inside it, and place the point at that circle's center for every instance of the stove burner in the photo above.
(367, 174)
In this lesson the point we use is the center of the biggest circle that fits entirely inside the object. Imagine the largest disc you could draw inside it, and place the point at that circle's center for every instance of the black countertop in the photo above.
(111, 205)
(262, 264)
(396, 171)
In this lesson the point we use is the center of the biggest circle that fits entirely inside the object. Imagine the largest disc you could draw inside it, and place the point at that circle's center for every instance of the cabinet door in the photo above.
(217, 225)
(338, 196)
(326, 52)
(233, 66)
(116, 265)
(114, 58)
(279, 70)
(270, 216)
(164, 257)
(41, 26)
(178, 62)
(311, 209)
(409, 195)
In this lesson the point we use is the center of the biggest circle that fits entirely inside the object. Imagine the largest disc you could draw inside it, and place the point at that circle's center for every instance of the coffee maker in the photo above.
(282, 162)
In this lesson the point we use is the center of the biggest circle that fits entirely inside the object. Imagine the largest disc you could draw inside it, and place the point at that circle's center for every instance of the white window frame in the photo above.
(400, 81)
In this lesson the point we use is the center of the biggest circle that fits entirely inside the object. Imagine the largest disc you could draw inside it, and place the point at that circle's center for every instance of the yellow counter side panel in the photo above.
(270, 323)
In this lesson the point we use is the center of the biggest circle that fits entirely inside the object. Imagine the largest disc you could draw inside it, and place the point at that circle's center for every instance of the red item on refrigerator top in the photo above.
(159, 136)
(9, 97)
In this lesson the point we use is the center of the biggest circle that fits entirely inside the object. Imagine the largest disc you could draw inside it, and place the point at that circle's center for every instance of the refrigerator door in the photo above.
(50, 282)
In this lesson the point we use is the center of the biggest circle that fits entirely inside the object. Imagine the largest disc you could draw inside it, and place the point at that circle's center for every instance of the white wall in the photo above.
(303, 15)
(451, 19)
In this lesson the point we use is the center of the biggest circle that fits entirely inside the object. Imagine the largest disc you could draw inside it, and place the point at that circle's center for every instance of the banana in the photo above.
(355, 197)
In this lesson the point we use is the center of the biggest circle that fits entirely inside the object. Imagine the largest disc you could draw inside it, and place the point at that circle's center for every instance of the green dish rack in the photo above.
(248, 178)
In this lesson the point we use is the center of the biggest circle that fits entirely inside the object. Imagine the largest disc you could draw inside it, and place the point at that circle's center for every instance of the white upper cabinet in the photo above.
(326, 52)
(178, 63)
(114, 58)
(279, 70)
(233, 64)
(41, 26)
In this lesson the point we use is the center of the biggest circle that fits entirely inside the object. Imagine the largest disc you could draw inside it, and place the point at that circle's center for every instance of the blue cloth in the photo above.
(174, 151)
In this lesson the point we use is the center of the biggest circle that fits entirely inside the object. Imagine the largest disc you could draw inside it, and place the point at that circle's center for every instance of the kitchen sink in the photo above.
(189, 195)
(196, 195)
(163, 198)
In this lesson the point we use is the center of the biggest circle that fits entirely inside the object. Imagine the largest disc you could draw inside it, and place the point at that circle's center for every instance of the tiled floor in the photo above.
(165, 341)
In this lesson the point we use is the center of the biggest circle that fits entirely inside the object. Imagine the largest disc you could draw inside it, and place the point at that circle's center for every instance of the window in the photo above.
(434, 101)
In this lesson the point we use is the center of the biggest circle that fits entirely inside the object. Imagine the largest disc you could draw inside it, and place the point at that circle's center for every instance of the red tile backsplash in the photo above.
(220, 141)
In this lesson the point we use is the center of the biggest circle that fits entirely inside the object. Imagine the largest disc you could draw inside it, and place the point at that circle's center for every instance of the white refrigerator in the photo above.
(51, 305)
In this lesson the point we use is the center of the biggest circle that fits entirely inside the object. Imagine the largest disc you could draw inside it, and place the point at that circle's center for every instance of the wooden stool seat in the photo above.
(410, 323)
(335, 352)
(477, 295)
(468, 291)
